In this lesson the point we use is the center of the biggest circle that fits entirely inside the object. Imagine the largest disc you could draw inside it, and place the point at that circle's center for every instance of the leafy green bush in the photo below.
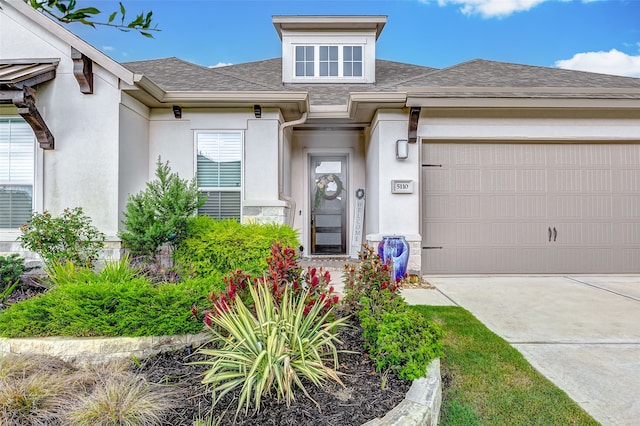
(160, 213)
(227, 245)
(400, 340)
(11, 268)
(100, 307)
(68, 237)
(273, 348)
(396, 338)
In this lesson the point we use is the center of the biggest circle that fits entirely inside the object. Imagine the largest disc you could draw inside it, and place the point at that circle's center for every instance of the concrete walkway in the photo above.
(581, 332)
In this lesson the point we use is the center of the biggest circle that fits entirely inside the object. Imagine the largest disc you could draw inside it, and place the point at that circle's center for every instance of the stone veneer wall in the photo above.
(264, 214)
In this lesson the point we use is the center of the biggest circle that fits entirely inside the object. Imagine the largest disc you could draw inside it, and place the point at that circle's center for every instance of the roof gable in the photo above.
(57, 30)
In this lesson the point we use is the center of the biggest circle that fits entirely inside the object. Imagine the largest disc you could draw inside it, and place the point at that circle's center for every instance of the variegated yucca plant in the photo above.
(270, 348)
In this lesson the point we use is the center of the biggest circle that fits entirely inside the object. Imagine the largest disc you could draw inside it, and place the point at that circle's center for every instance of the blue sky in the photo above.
(596, 35)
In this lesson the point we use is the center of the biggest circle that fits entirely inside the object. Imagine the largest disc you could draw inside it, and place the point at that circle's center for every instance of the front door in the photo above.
(328, 203)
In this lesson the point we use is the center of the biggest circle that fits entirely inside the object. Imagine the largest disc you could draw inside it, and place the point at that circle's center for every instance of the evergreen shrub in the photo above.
(213, 246)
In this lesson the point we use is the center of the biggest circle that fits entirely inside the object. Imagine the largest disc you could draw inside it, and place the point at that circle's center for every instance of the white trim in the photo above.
(340, 78)
(242, 163)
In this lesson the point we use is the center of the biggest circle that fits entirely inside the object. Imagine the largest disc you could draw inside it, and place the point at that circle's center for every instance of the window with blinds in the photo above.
(17, 150)
(219, 173)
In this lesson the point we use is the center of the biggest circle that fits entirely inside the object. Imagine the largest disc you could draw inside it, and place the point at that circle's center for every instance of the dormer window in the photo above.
(305, 63)
(329, 49)
(329, 61)
(352, 61)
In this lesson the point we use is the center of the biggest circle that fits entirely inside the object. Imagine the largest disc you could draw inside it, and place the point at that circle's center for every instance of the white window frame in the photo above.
(340, 77)
(10, 234)
(239, 189)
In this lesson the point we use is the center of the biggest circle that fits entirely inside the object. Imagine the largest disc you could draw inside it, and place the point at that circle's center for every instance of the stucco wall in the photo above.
(261, 159)
(83, 169)
(390, 213)
(134, 150)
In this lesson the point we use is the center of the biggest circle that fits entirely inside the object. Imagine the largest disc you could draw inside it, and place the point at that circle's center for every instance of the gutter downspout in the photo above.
(291, 203)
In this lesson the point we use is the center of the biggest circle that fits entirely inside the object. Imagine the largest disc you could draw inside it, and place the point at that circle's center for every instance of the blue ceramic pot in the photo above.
(396, 250)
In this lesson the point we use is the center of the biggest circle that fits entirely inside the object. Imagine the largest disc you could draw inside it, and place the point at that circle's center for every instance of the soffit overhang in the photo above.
(330, 23)
(291, 104)
(522, 97)
(359, 109)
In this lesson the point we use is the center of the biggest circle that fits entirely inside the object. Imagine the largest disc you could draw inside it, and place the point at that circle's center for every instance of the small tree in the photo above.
(160, 213)
(69, 237)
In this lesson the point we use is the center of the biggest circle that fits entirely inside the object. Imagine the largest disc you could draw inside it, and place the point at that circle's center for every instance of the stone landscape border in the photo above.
(88, 350)
(421, 405)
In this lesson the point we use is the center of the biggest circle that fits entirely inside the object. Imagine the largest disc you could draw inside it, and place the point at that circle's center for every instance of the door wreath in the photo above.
(321, 188)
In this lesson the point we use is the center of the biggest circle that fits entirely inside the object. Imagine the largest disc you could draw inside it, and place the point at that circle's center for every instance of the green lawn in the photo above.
(487, 382)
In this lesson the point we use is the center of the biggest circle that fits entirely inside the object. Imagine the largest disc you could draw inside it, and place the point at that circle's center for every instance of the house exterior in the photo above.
(483, 167)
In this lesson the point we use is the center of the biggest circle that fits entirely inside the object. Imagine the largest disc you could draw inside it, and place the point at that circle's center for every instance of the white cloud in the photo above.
(611, 62)
(219, 64)
(108, 48)
(491, 8)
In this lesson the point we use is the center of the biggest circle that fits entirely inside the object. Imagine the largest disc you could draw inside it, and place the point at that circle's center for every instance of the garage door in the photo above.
(530, 208)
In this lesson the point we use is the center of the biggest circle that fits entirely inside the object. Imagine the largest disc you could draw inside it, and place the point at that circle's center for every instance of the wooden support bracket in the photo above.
(414, 115)
(25, 101)
(83, 71)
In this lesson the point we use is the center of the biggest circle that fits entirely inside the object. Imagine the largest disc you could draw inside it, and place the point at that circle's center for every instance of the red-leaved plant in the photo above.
(368, 277)
(283, 272)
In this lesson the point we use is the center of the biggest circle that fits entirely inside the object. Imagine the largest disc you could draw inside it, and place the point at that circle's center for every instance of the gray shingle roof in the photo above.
(483, 73)
(173, 74)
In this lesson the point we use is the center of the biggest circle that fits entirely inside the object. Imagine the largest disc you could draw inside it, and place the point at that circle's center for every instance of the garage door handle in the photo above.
(549, 234)
(555, 234)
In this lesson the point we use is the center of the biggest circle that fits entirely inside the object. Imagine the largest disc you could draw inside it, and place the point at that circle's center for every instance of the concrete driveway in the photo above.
(581, 332)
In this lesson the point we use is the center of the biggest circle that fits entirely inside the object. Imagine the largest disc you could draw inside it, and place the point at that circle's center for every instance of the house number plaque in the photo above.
(402, 187)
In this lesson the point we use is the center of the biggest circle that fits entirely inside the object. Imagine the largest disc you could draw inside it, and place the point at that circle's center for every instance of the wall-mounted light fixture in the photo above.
(402, 149)
(257, 111)
(177, 111)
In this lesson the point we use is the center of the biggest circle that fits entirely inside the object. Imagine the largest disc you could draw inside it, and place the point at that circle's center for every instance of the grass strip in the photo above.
(488, 382)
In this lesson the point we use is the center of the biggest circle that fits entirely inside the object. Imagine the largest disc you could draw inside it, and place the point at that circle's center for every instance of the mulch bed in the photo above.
(366, 394)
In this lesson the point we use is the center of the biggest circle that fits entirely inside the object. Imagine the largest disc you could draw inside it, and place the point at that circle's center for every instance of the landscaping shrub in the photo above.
(396, 338)
(159, 214)
(270, 348)
(283, 274)
(370, 277)
(400, 340)
(213, 246)
(11, 268)
(68, 237)
(100, 307)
